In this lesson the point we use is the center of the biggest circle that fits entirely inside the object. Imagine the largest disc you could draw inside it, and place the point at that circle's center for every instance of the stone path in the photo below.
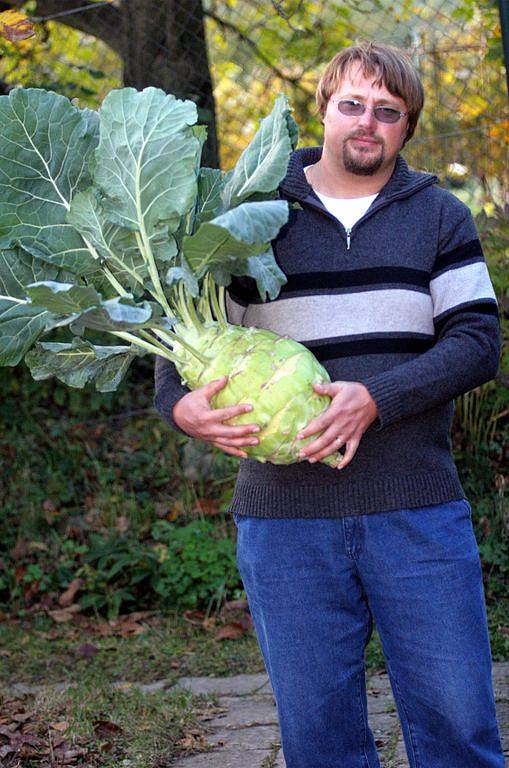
(247, 734)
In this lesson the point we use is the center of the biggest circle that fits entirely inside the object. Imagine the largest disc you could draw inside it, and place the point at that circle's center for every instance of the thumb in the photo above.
(326, 388)
(210, 389)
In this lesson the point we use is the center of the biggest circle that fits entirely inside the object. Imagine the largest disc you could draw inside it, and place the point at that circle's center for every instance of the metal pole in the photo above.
(503, 7)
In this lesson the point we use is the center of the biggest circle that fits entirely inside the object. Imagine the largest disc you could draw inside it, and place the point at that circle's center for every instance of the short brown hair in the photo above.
(391, 67)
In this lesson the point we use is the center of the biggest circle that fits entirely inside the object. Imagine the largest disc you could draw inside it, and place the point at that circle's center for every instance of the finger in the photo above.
(236, 441)
(332, 447)
(351, 449)
(223, 430)
(330, 389)
(231, 450)
(329, 436)
(317, 425)
(210, 389)
(223, 414)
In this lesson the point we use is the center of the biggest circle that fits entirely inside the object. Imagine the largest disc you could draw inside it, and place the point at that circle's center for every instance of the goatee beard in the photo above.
(359, 165)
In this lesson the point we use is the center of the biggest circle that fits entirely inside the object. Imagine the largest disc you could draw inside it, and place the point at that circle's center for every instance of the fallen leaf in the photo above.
(87, 650)
(15, 26)
(62, 726)
(65, 614)
(68, 596)
(230, 631)
(106, 727)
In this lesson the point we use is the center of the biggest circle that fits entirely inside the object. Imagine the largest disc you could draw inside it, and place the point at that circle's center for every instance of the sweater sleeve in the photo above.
(467, 343)
(168, 387)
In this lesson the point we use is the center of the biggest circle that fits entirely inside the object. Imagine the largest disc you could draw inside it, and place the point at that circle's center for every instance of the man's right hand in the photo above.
(194, 415)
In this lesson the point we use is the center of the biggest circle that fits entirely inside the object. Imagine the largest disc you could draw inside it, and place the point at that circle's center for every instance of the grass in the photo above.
(119, 725)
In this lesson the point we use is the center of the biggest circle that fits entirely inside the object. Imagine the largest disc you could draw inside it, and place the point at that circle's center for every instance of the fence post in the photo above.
(503, 7)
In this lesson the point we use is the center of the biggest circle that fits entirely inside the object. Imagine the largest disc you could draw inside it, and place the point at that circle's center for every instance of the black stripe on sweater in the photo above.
(470, 251)
(328, 350)
(481, 307)
(328, 282)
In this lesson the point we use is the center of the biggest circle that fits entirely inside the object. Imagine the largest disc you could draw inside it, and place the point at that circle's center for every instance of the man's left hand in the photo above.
(343, 423)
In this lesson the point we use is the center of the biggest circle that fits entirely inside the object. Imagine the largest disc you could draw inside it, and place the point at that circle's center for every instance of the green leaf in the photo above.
(118, 314)
(184, 274)
(78, 363)
(269, 277)
(18, 269)
(264, 162)
(87, 309)
(116, 246)
(46, 144)
(210, 204)
(20, 326)
(224, 244)
(146, 160)
(63, 298)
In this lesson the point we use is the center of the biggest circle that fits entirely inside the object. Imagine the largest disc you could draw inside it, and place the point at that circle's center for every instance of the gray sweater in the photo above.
(403, 303)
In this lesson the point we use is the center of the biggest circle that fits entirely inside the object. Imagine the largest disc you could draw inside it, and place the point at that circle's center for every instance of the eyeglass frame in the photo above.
(371, 109)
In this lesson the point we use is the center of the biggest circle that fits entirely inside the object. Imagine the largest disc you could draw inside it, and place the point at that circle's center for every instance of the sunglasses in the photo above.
(354, 108)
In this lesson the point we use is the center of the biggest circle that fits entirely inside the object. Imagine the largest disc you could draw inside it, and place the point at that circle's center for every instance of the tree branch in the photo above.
(103, 22)
(295, 81)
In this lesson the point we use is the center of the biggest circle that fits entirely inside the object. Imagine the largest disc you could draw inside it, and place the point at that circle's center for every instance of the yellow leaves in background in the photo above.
(15, 26)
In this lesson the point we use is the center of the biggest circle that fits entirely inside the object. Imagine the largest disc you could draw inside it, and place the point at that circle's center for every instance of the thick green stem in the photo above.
(215, 304)
(150, 338)
(114, 282)
(146, 252)
(222, 302)
(14, 300)
(162, 351)
(173, 338)
(184, 307)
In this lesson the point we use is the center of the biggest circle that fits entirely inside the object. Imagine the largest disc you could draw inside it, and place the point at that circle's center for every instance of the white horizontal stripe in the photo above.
(318, 317)
(457, 286)
(234, 311)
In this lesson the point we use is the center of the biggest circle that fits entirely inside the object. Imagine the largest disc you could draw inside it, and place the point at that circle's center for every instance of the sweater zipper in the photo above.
(400, 196)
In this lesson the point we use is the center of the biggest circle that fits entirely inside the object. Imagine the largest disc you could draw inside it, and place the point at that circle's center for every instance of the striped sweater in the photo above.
(401, 302)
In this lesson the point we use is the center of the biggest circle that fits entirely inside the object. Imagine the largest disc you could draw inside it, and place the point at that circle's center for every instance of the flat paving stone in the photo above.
(238, 685)
(254, 737)
(247, 734)
(246, 712)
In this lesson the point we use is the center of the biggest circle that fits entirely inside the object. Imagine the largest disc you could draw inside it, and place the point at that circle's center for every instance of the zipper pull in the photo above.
(348, 238)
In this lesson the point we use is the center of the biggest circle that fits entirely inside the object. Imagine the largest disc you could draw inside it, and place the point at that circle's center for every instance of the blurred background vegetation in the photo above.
(97, 493)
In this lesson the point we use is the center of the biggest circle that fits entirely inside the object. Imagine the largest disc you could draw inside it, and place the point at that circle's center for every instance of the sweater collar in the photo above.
(296, 186)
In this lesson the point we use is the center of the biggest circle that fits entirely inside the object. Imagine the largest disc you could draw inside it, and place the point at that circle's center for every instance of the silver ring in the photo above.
(338, 440)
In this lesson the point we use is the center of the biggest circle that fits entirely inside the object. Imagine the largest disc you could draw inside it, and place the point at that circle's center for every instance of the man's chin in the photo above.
(362, 166)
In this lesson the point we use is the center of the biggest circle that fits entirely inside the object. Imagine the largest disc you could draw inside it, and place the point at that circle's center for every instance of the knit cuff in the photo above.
(383, 389)
(164, 404)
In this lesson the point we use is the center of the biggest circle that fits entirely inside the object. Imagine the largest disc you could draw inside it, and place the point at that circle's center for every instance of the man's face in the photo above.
(362, 145)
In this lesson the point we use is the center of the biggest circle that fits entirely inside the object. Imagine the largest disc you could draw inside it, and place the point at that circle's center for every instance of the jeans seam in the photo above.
(363, 719)
(413, 739)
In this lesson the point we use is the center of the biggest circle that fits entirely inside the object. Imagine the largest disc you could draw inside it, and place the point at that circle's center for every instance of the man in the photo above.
(388, 286)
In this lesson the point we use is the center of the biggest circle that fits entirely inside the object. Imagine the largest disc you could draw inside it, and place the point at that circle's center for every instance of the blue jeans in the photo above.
(314, 587)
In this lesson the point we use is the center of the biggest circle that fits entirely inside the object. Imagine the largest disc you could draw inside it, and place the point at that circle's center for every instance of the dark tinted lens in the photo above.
(350, 107)
(386, 114)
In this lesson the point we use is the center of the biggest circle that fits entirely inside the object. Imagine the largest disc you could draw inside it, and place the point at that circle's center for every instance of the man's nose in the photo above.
(367, 119)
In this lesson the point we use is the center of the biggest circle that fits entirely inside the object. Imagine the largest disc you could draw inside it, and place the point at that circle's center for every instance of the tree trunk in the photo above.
(161, 43)
(164, 45)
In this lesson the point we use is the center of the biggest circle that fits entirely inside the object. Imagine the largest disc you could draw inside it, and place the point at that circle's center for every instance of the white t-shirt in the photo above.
(347, 209)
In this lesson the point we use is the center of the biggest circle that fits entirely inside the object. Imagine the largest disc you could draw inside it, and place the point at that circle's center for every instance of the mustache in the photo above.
(364, 135)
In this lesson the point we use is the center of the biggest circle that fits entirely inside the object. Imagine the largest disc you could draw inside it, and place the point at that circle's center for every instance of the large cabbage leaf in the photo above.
(79, 362)
(146, 160)
(46, 147)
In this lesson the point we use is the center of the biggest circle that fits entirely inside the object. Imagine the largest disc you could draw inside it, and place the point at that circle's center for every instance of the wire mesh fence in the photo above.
(233, 56)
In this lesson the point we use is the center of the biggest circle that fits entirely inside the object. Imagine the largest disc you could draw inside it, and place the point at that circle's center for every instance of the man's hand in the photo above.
(343, 423)
(194, 414)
